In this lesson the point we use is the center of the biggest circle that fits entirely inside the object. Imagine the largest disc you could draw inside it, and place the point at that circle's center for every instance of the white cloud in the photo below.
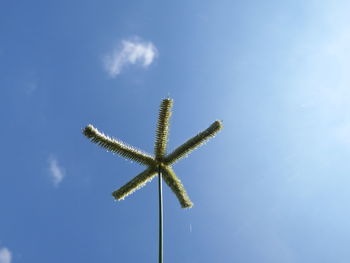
(134, 52)
(5, 255)
(56, 171)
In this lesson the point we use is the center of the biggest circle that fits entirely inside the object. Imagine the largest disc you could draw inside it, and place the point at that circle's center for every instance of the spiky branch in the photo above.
(176, 186)
(136, 183)
(162, 128)
(160, 160)
(119, 147)
(193, 143)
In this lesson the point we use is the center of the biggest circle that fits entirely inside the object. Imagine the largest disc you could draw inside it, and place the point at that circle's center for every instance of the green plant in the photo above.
(161, 163)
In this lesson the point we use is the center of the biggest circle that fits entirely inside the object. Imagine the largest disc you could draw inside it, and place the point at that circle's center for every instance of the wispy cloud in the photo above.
(5, 255)
(130, 52)
(57, 172)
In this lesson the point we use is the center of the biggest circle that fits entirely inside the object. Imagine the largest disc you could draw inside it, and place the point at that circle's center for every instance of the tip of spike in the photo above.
(219, 124)
(89, 131)
(216, 126)
(187, 206)
(167, 100)
(116, 197)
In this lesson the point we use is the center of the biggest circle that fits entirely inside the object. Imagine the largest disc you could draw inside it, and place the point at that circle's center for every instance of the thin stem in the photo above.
(160, 216)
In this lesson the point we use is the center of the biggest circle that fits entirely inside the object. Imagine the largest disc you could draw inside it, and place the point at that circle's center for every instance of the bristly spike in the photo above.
(176, 186)
(118, 147)
(160, 160)
(162, 128)
(136, 183)
(193, 143)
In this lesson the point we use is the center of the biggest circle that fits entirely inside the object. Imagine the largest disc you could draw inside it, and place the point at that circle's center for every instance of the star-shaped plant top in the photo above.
(161, 161)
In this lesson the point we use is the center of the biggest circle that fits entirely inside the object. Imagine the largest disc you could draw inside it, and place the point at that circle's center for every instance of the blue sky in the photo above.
(271, 187)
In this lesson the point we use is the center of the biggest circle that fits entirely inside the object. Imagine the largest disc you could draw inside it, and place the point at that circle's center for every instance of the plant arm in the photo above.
(136, 183)
(117, 146)
(193, 143)
(162, 128)
(176, 186)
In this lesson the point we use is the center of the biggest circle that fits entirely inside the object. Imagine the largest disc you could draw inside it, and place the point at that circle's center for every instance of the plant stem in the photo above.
(160, 216)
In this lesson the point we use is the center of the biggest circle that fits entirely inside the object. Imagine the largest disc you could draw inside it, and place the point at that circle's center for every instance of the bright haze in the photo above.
(271, 187)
